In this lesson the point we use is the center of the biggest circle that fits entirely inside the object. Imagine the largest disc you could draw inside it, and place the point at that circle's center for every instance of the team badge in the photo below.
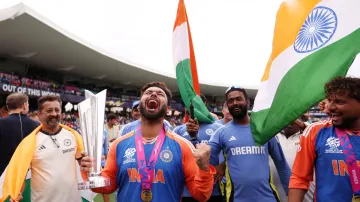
(209, 131)
(67, 142)
(166, 156)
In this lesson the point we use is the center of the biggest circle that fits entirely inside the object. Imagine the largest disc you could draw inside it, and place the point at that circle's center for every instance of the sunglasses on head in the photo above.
(233, 88)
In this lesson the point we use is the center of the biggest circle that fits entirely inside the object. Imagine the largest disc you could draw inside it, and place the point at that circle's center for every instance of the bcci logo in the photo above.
(209, 131)
(166, 156)
(67, 142)
(129, 156)
(333, 143)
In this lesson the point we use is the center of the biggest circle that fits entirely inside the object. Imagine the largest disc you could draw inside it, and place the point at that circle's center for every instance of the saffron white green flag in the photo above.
(87, 195)
(185, 65)
(314, 41)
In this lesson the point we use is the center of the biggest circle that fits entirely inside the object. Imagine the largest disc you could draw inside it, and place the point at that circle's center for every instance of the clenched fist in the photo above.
(202, 156)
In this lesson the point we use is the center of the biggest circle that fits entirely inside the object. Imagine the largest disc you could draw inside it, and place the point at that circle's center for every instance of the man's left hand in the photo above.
(202, 156)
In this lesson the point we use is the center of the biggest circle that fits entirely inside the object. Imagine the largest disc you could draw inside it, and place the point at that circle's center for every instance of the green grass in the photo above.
(99, 198)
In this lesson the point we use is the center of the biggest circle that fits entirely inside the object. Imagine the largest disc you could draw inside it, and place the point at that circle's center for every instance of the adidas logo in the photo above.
(42, 147)
(232, 138)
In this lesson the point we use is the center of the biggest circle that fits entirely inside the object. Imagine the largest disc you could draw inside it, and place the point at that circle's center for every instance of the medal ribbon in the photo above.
(147, 170)
(353, 168)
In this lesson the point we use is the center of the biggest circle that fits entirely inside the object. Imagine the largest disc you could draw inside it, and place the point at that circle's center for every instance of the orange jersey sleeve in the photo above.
(303, 167)
(200, 183)
(110, 169)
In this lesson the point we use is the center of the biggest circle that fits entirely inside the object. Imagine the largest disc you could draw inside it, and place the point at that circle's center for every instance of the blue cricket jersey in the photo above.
(248, 170)
(320, 148)
(175, 167)
(204, 134)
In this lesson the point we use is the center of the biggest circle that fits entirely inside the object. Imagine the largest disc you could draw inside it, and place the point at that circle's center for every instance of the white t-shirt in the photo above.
(289, 147)
(53, 168)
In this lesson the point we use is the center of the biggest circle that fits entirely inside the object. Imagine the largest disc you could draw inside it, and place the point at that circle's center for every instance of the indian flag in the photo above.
(314, 41)
(185, 63)
(87, 195)
(12, 179)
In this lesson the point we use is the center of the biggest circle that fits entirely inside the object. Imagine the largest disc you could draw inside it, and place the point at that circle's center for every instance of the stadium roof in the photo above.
(28, 35)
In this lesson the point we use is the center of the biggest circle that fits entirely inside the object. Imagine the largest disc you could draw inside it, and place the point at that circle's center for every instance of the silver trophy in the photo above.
(92, 112)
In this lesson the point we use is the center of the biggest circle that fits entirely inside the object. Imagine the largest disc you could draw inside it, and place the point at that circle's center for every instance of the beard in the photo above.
(238, 115)
(150, 116)
(345, 123)
(52, 121)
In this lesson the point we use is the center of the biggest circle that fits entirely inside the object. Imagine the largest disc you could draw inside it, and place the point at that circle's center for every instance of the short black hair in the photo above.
(48, 98)
(349, 86)
(111, 116)
(160, 85)
(237, 89)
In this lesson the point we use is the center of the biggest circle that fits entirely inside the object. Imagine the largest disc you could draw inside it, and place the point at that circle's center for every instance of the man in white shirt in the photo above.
(52, 159)
(289, 139)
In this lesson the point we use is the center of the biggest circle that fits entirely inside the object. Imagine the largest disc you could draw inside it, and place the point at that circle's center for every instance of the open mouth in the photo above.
(236, 109)
(152, 105)
(335, 116)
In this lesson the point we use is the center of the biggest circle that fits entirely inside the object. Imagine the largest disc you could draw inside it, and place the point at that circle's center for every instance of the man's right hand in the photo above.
(86, 162)
(192, 127)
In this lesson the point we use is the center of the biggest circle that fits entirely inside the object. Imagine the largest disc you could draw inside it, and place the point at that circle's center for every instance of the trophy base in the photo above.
(94, 182)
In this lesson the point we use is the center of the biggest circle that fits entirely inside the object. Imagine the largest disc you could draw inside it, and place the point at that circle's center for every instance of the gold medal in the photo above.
(146, 195)
(356, 199)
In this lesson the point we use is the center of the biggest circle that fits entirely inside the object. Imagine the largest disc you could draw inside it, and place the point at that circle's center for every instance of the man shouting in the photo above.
(153, 164)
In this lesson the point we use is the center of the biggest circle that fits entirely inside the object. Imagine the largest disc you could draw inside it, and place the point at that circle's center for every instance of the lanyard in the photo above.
(353, 168)
(146, 170)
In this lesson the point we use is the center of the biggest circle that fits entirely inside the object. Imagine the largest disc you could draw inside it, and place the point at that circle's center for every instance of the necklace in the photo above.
(150, 141)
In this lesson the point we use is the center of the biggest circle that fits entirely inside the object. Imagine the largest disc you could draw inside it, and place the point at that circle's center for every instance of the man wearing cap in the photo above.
(247, 165)
(135, 113)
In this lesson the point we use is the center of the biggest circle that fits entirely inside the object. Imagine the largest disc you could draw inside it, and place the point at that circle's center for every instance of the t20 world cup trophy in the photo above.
(91, 113)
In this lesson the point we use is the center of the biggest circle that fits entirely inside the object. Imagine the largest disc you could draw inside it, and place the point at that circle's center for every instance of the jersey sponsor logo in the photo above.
(232, 138)
(166, 156)
(333, 144)
(134, 176)
(340, 168)
(68, 150)
(205, 141)
(209, 131)
(248, 150)
(129, 156)
(67, 142)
